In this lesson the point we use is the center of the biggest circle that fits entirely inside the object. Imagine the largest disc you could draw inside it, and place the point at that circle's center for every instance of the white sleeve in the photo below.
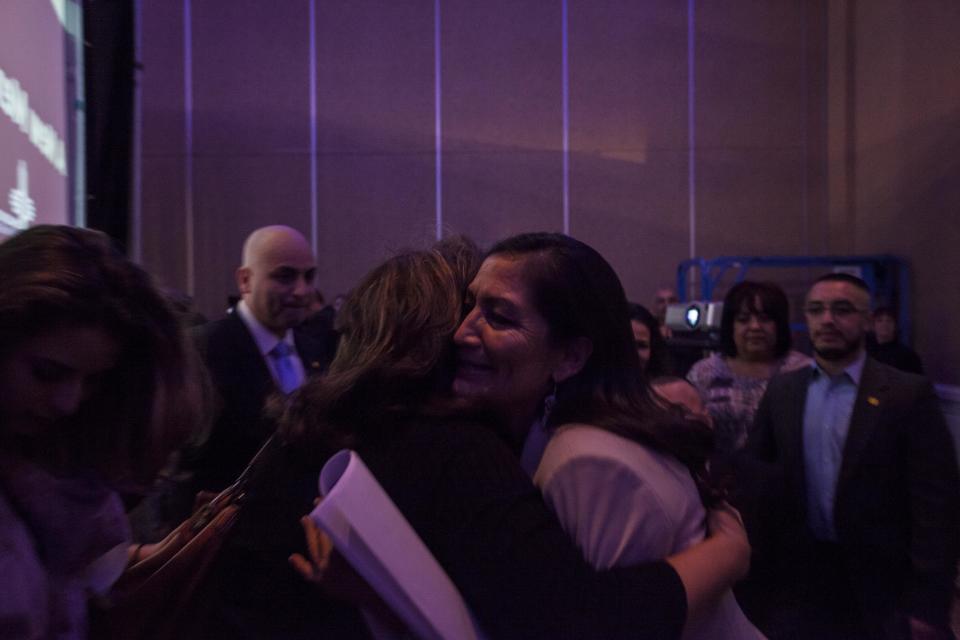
(607, 507)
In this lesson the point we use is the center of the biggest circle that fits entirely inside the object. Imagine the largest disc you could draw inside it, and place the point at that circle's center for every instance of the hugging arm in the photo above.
(710, 568)
(522, 575)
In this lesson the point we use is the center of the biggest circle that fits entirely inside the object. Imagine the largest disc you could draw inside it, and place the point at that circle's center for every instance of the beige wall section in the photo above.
(251, 124)
(752, 128)
(905, 164)
(628, 137)
(502, 117)
(163, 192)
(375, 127)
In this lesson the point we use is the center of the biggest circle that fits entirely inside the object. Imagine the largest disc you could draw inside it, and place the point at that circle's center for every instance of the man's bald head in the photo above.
(276, 276)
(265, 240)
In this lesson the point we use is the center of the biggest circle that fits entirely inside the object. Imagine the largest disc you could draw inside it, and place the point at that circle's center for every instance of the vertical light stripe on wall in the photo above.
(313, 128)
(80, 121)
(136, 157)
(566, 118)
(691, 128)
(805, 111)
(437, 118)
(188, 142)
(822, 225)
(824, 135)
(850, 123)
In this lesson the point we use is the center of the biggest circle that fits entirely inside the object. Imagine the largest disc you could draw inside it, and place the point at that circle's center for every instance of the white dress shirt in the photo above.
(266, 340)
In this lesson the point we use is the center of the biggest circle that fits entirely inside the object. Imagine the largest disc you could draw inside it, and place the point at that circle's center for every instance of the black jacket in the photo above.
(243, 383)
(897, 505)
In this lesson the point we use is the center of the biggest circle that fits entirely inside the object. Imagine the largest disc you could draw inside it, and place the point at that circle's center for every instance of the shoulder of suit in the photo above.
(791, 377)
(220, 334)
(213, 327)
(896, 378)
(312, 351)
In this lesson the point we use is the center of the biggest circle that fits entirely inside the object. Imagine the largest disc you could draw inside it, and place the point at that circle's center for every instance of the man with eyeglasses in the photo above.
(851, 484)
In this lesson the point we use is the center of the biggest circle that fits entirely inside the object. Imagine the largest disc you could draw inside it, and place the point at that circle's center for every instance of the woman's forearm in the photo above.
(710, 568)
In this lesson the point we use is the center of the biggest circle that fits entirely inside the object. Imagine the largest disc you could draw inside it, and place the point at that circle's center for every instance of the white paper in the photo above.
(371, 533)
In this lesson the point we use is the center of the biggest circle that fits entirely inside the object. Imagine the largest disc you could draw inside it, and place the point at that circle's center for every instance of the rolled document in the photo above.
(371, 533)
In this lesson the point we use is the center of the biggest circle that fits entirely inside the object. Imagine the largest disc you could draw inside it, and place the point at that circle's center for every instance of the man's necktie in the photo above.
(287, 378)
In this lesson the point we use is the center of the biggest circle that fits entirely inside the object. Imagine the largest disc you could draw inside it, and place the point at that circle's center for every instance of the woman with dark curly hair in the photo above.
(97, 386)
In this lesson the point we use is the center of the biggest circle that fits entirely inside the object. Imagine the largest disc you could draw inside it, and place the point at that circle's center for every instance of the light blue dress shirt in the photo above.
(826, 420)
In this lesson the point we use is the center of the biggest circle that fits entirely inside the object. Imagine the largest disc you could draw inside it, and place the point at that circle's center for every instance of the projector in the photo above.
(694, 316)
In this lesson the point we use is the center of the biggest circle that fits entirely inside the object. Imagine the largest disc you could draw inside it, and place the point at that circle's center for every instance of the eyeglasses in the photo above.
(840, 309)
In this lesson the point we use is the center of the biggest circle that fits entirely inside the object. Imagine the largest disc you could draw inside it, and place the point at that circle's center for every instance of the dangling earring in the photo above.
(549, 402)
(537, 437)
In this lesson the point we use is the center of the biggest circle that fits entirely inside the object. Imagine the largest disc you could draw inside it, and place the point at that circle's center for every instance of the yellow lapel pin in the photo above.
(873, 401)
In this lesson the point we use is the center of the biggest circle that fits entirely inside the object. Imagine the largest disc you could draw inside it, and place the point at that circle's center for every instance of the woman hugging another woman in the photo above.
(548, 346)
(449, 461)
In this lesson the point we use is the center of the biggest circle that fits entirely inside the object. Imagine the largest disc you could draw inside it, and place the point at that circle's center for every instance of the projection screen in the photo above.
(40, 113)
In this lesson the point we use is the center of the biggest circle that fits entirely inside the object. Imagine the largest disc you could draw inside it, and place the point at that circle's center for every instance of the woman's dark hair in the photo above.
(579, 295)
(756, 297)
(659, 362)
(889, 312)
(53, 277)
(395, 353)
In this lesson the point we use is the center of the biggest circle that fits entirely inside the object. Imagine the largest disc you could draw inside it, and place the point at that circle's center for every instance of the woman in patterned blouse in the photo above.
(754, 346)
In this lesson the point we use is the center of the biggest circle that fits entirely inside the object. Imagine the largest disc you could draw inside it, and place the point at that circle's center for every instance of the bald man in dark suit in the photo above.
(257, 350)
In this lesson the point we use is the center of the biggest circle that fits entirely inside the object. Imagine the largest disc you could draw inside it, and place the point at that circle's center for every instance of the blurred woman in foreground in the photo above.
(461, 487)
(96, 388)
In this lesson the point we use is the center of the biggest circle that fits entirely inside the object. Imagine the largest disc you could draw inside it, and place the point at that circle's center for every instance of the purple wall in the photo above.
(614, 148)
(501, 102)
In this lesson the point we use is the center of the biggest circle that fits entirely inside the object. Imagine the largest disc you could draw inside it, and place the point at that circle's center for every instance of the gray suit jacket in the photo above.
(897, 505)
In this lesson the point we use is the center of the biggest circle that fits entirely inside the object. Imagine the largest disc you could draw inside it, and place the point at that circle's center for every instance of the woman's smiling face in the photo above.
(506, 361)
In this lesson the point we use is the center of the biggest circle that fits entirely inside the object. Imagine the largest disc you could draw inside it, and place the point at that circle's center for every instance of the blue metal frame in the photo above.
(887, 276)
